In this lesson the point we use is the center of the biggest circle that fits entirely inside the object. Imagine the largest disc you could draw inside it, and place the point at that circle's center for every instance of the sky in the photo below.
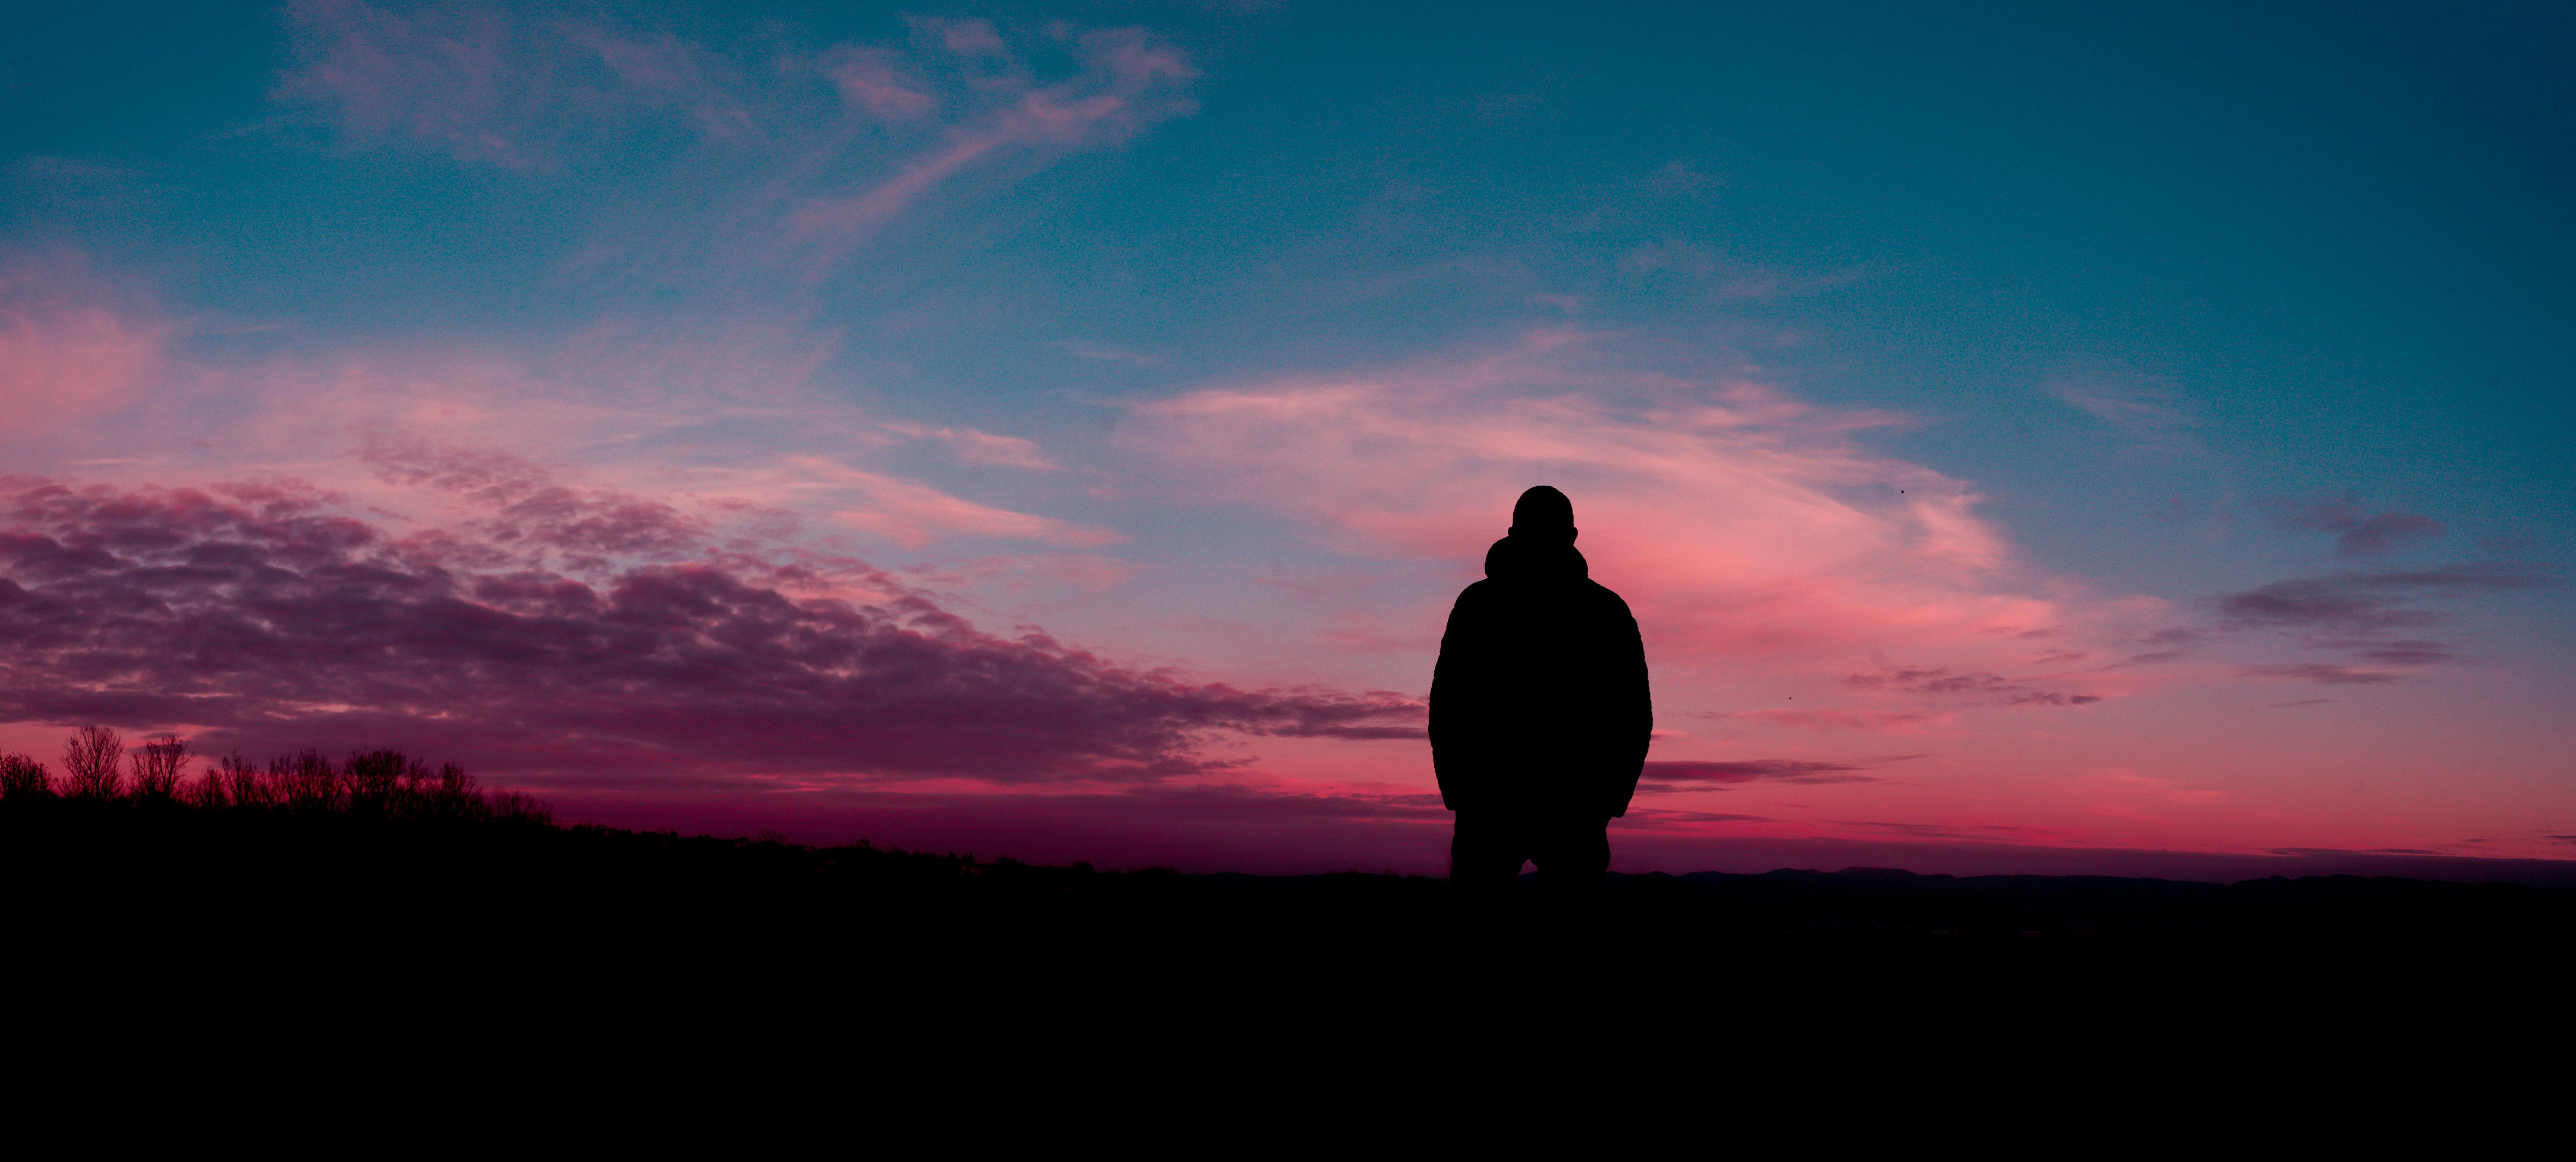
(2029, 437)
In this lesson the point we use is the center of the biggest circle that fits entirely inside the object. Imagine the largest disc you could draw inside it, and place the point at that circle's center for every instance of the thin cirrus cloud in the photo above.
(2143, 412)
(1103, 353)
(2373, 623)
(2358, 532)
(1943, 680)
(1862, 720)
(1125, 80)
(268, 616)
(913, 514)
(2371, 603)
(879, 82)
(1682, 776)
(829, 142)
(976, 447)
(464, 79)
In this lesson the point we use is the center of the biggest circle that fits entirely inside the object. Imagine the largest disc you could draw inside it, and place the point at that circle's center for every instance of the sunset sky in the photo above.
(2031, 432)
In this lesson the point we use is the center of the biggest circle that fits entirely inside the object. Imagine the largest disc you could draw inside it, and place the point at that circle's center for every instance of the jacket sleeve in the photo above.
(1634, 711)
(1458, 701)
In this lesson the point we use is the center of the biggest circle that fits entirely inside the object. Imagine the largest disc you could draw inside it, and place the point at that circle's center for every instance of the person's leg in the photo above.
(1485, 854)
(1574, 855)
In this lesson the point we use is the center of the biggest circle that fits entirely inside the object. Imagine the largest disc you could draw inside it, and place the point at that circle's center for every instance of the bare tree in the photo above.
(243, 783)
(456, 796)
(90, 760)
(209, 791)
(376, 782)
(157, 765)
(21, 775)
(307, 780)
(517, 807)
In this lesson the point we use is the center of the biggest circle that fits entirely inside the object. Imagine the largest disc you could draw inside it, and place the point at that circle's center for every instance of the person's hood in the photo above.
(1514, 559)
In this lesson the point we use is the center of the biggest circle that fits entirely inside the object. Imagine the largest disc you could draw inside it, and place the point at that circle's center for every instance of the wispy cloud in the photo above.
(827, 142)
(2375, 619)
(2358, 532)
(913, 514)
(2372, 602)
(2320, 673)
(1126, 80)
(1671, 777)
(1861, 720)
(1943, 680)
(878, 81)
(463, 79)
(976, 447)
(1103, 353)
(2144, 412)
(1725, 277)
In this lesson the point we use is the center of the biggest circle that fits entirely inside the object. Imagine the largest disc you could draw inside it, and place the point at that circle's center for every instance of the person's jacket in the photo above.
(1539, 701)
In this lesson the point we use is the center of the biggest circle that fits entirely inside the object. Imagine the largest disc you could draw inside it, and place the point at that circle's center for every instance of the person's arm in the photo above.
(1635, 708)
(1457, 696)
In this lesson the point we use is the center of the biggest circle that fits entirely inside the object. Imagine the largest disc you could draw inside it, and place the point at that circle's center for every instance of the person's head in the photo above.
(1544, 514)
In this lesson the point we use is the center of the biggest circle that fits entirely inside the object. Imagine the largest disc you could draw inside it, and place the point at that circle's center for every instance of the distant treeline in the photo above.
(97, 765)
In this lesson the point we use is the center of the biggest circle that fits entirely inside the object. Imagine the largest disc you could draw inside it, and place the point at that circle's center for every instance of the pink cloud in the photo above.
(913, 514)
(1741, 525)
(528, 508)
(63, 355)
(70, 363)
(269, 617)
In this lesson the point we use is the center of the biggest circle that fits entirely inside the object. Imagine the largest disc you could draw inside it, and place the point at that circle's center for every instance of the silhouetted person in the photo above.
(1539, 709)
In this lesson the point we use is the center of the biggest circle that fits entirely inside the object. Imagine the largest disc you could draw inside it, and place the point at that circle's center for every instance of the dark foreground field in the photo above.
(345, 908)
(460, 964)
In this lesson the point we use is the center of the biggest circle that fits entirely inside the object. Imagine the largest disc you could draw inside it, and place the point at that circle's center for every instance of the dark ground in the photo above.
(267, 956)
(333, 936)
(254, 885)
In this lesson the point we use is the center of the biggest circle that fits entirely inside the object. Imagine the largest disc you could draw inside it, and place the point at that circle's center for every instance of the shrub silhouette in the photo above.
(90, 763)
(21, 776)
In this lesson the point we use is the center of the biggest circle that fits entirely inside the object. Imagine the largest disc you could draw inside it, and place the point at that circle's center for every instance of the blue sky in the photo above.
(2164, 297)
